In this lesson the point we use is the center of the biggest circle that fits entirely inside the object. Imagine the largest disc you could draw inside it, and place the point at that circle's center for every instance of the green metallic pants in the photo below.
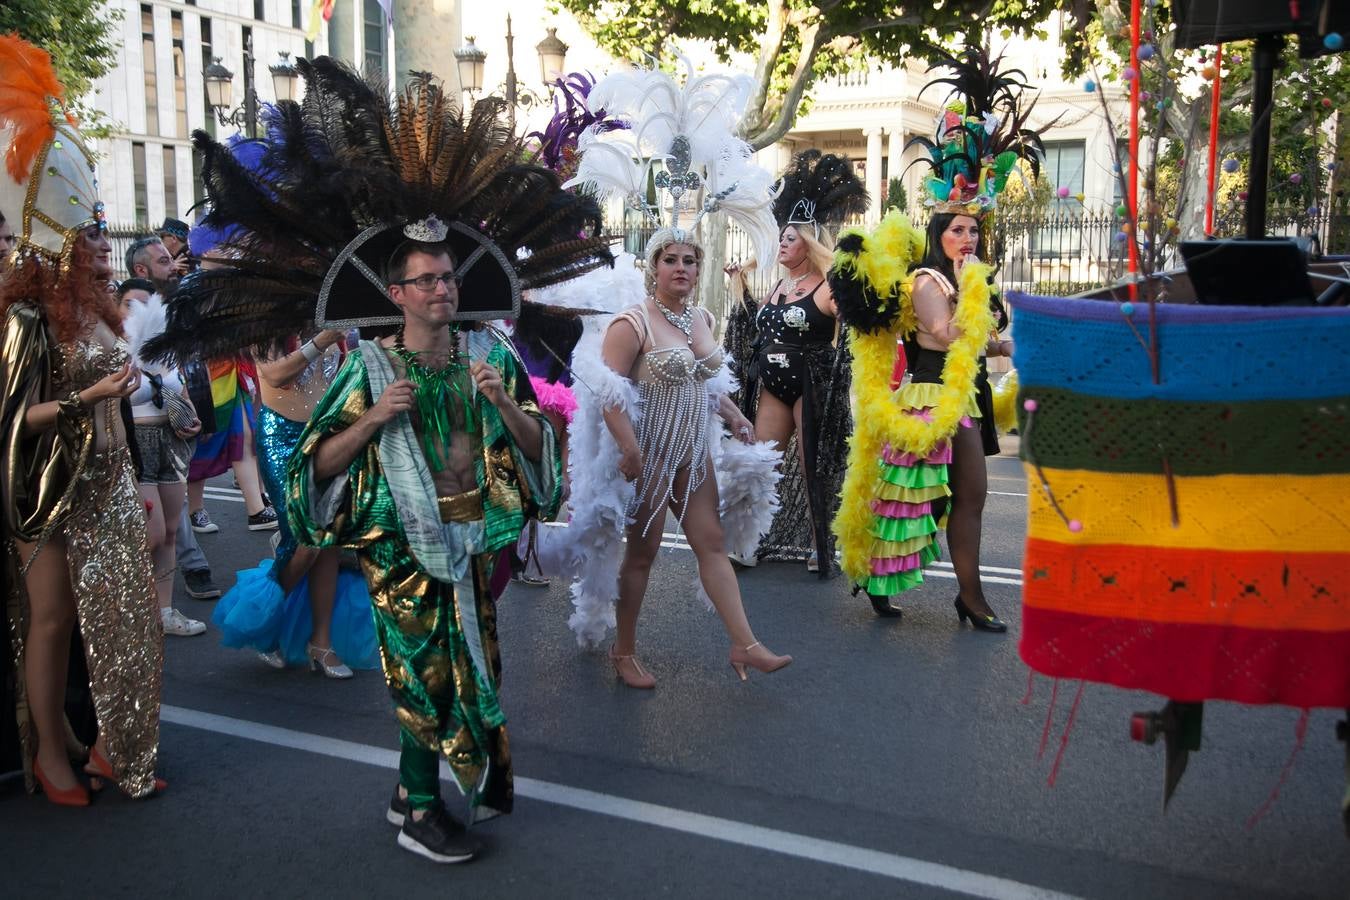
(443, 703)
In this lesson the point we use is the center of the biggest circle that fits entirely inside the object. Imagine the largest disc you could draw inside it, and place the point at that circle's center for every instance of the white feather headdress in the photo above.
(681, 138)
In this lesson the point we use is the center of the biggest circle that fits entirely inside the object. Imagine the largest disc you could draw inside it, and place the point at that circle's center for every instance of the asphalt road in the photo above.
(892, 759)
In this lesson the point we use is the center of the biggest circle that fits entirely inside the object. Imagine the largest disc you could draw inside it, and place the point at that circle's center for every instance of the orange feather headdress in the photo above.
(50, 191)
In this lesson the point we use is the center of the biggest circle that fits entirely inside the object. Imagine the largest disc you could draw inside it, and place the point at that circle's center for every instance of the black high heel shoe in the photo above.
(883, 607)
(978, 622)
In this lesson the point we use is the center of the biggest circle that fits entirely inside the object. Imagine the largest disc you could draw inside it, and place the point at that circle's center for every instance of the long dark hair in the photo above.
(934, 258)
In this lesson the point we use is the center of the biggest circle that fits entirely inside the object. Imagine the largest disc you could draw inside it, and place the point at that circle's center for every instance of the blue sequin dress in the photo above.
(256, 612)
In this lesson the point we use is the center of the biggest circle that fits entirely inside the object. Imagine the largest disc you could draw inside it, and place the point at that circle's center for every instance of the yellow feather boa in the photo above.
(878, 418)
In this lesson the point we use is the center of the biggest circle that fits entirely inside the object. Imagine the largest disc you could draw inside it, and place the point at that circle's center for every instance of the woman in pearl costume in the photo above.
(667, 349)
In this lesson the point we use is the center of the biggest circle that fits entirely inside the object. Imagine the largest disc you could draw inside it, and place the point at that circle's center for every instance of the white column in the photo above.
(874, 188)
(426, 34)
(895, 150)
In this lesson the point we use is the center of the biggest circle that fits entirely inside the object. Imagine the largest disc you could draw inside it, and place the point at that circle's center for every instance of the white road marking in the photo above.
(875, 862)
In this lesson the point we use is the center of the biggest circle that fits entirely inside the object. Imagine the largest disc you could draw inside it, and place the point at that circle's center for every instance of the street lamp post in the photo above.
(552, 57)
(220, 89)
(469, 59)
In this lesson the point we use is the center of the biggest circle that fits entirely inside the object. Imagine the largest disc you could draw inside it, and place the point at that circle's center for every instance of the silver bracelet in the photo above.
(310, 351)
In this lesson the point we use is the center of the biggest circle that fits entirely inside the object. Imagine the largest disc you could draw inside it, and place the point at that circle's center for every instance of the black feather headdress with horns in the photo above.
(341, 179)
(818, 189)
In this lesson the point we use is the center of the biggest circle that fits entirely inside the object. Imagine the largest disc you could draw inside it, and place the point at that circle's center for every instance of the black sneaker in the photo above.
(398, 808)
(439, 836)
(199, 584)
(264, 519)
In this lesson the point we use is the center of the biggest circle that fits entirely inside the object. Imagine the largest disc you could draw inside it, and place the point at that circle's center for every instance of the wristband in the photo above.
(73, 406)
(310, 351)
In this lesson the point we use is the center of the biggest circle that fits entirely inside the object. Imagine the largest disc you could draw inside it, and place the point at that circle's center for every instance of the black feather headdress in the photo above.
(341, 176)
(981, 134)
(818, 189)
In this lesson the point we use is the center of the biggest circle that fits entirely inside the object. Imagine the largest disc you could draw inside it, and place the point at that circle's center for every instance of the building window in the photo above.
(1062, 235)
(170, 182)
(148, 64)
(208, 57)
(295, 14)
(138, 180)
(179, 76)
(259, 12)
(376, 36)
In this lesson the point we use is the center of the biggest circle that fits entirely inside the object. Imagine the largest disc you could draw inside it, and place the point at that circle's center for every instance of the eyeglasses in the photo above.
(427, 281)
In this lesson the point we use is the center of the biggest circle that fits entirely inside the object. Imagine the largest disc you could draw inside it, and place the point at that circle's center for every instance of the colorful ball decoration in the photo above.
(1090, 86)
(1209, 72)
(1128, 73)
(1326, 103)
(1146, 51)
(1333, 41)
(1296, 178)
(1146, 96)
(1121, 237)
(1314, 210)
(1062, 192)
(1231, 165)
(1122, 210)
(1242, 195)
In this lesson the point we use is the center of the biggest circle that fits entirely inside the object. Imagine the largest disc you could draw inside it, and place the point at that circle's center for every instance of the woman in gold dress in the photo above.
(67, 475)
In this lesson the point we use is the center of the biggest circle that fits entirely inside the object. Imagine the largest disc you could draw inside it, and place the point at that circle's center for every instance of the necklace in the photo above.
(443, 396)
(797, 280)
(683, 321)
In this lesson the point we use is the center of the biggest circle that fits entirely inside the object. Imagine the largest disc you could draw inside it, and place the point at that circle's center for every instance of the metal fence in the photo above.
(1063, 253)
(1035, 250)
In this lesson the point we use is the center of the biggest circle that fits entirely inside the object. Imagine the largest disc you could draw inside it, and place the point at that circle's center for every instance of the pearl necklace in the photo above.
(683, 321)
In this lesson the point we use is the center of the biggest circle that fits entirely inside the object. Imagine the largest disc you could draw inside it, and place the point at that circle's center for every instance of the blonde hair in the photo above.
(659, 241)
(819, 249)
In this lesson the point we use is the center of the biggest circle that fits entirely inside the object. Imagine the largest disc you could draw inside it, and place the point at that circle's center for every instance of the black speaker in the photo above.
(1203, 23)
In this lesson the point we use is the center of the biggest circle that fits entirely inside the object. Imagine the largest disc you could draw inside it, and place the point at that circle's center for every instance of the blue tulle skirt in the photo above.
(255, 613)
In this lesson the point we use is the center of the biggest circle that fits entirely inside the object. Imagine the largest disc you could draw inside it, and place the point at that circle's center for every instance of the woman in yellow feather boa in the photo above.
(917, 451)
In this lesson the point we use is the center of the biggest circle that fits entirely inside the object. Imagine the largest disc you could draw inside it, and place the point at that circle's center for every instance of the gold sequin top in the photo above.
(84, 362)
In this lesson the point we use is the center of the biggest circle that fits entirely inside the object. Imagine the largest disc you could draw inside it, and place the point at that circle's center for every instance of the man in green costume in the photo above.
(427, 456)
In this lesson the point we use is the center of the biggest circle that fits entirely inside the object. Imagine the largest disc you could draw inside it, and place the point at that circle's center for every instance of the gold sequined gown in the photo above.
(90, 507)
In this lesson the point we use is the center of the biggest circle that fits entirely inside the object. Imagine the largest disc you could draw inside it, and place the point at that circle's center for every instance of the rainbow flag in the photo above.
(1191, 537)
(216, 451)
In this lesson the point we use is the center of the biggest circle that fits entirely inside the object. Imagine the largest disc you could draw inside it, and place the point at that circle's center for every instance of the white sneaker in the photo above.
(175, 622)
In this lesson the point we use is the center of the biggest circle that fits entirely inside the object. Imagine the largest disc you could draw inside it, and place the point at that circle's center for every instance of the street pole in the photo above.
(250, 95)
(510, 74)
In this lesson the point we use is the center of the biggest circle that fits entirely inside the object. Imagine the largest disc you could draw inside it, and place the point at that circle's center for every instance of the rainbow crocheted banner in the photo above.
(1191, 537)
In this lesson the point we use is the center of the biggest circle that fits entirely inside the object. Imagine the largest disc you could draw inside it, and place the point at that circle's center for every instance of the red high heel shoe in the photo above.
(76, 796)
(767, 662)
(98, 768)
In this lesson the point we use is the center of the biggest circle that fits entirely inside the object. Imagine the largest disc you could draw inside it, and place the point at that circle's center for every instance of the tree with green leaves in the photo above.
(80, 35)
(1176, 116)
(796, 42)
